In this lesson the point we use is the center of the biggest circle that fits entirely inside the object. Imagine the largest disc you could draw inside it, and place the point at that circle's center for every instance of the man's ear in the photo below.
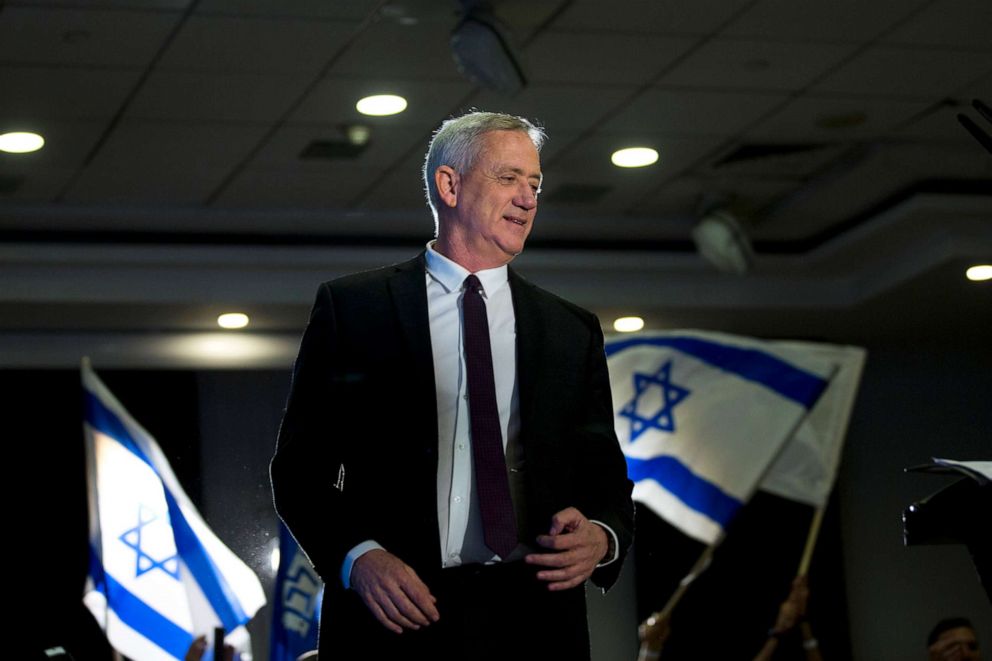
(446, 180)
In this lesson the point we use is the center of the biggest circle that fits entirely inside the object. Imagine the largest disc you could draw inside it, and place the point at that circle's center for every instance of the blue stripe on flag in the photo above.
(222, 599)
(194, 555)
(751, 364)
(698, 494)
(106, 422)
(138, 615)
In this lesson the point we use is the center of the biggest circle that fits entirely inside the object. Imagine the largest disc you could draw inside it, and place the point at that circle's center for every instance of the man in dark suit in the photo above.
(447, 459)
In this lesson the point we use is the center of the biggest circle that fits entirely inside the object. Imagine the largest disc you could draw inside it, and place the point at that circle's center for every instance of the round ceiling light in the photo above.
(21, 142)
(232, 320)
(979, 272)
(634, 157)
(628, 324)
(381, 105)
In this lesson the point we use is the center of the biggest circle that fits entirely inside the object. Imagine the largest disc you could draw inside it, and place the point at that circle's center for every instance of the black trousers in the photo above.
(488, 612)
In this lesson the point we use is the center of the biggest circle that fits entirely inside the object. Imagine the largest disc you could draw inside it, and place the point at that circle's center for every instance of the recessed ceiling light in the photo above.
(381, 105)
(628, 324)
(634, 157)
(232, 320)
(979, 272)
(21, 142)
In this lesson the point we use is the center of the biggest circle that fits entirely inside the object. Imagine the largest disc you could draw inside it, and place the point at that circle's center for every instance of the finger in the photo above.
(562, 559)
(567, 519)
(420, 598)
(397, 611)
(383, 619)
(558, 542)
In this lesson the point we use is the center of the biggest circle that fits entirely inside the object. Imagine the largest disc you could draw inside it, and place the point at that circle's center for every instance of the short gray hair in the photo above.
(456, 144)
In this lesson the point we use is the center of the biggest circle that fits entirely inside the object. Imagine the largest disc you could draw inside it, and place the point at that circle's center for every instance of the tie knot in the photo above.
(472, 283)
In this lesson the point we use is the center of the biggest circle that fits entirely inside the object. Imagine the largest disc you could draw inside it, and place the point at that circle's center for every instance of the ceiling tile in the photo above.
(601, 57)
(109, 4)
(254, 45)
(693, 112)
(76, 37)
(804, 119)
(848, 21)
(681, 197)
(64, 93)
(905, 72)
(401, 188)
(216, 97)
(747, 64)
(669, 17)
(332, 101)
(558, 107)
(959, 24)
(38, 184)
(353, 10)
(332, 188)
(386, 145)
(144, 160)
(420, 50)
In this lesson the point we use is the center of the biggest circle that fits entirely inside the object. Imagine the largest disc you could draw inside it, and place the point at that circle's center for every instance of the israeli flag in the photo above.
(158, 576)
(701, 417)
(296, 607)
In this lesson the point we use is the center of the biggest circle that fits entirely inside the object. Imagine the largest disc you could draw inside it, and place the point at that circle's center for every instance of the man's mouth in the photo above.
(518, 221)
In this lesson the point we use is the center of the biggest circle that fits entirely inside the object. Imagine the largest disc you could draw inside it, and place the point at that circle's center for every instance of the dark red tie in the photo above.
(498, 521)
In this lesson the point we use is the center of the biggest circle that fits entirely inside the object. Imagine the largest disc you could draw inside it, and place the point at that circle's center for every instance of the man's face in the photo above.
(959, 643)
(497, 197)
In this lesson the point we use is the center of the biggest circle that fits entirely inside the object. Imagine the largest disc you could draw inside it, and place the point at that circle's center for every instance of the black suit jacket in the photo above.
(357, 451)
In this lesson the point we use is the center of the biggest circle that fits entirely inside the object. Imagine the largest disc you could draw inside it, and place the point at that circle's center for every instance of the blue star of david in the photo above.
(671, 395)
(143, 562)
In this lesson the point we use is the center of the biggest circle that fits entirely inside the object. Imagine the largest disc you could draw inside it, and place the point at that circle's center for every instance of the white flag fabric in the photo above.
(158, 575)
(701, 417)
(807, 466)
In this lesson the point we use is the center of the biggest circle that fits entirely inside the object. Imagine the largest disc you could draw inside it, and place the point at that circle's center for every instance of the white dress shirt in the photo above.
(459, 517)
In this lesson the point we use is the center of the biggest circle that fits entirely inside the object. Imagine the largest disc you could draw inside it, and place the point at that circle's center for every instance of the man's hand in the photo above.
(578, 546)
(393, 591)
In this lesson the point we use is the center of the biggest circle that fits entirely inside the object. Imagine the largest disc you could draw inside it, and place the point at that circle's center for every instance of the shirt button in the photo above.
(457, 499)
(461, 446)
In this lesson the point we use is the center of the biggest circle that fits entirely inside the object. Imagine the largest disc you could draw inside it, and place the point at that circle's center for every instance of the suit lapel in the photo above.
(408, 287)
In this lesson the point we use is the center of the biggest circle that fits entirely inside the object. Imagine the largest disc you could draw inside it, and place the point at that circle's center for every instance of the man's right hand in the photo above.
(393, 591)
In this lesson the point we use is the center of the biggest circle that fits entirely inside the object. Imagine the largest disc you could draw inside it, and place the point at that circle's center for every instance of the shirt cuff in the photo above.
(613, 551)
(354, 554)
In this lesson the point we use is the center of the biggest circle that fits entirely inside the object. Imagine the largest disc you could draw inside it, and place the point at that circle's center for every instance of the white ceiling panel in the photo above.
(332, 188)
(332, 101)
(420, 50)
(670, 17)
(905, 72)
(750, 64)
(805, 119)
(254, 45)
(848, 21)
(282, 152)
(146, 185)
(233, 97)
(352, 10)
(952, 23)
(76, 37)
(175, 5)
(31, 92)
(693, 112)
(601, 57)
(401, 188)
(558, 107)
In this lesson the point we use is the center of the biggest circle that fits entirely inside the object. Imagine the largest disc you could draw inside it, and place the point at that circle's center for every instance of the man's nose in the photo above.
(526, 198)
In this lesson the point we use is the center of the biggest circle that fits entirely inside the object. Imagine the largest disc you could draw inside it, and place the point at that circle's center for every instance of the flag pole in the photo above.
(654, 630)
(814, 533)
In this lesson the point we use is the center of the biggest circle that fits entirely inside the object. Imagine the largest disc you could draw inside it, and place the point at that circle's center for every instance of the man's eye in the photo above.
(507, 179)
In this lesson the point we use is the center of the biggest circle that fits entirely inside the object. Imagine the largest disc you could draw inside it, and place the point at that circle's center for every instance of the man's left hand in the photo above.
(578, 545)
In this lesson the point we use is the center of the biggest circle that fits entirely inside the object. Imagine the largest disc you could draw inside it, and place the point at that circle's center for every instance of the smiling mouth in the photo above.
(518, 221)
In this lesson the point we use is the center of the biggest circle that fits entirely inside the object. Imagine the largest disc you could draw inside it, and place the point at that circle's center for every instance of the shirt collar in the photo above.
(451, 275)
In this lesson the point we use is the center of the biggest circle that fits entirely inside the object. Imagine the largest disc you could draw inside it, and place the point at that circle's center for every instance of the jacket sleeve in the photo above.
(603, 462)
(308, 470)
